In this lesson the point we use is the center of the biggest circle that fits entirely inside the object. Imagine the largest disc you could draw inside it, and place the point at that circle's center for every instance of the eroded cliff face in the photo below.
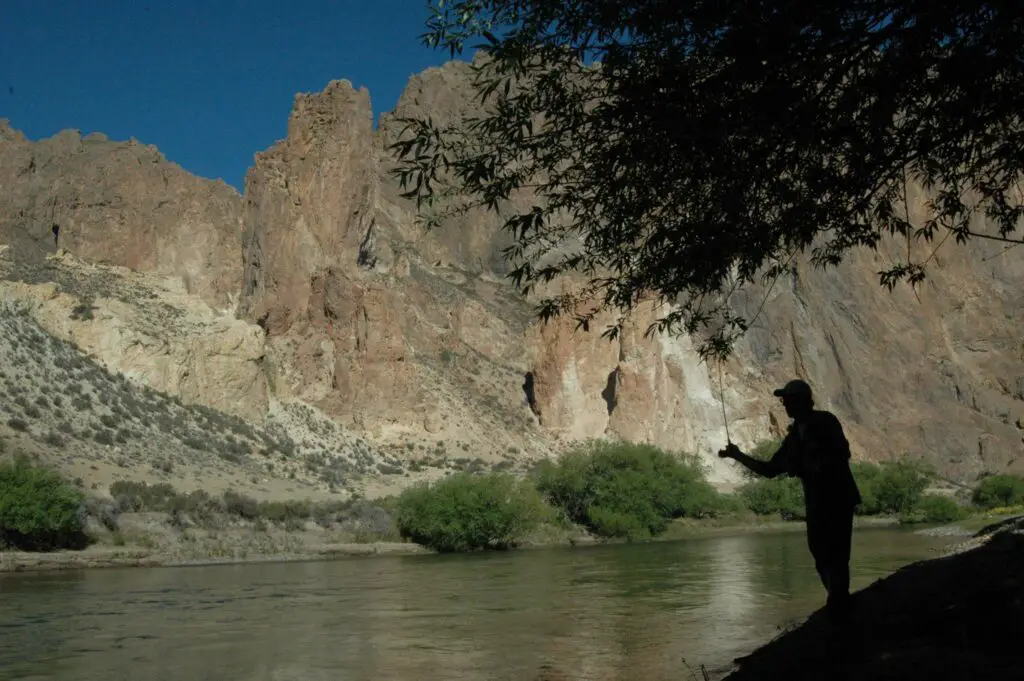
(415, 338)
(405, 333)
(377, 323)
(935, 374)
(474, 241)
(644, 388)
(119, 203)
(309, 204)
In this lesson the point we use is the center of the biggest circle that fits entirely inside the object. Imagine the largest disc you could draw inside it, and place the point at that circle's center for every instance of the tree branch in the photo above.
(1003, 239)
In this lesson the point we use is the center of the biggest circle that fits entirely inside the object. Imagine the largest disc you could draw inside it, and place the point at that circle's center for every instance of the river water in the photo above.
(605, 612)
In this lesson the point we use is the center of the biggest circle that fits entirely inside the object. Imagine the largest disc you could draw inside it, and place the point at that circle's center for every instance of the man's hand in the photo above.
(729, 452)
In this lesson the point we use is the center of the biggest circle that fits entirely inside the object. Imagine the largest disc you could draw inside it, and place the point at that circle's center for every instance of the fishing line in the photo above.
(750, 324)
(721, 399)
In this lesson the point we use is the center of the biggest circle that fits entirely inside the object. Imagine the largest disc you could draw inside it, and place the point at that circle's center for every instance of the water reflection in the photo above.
(622, 612)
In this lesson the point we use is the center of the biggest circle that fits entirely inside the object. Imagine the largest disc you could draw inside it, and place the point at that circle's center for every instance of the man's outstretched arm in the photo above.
(767, 469)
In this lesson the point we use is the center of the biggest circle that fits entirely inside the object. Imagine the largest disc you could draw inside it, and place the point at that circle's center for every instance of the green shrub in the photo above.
(627, 490)
(999, 491)
(39, 510)
(465, 512)
(866, 474)
(198, 505)
(933, 508)
(768, 496)
(241, 505)
(285, 511)
(900, 486)
(783, 496)
(892, 487)
(137, 497)
(706, 502)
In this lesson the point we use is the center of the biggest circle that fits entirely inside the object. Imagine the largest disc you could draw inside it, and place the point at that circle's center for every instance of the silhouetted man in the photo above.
(816, 451)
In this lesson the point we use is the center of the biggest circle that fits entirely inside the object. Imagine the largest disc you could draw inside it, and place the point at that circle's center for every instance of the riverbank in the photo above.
(603, 492)
(146, 541)
(960, 616)
(153, 540)
(113, 557)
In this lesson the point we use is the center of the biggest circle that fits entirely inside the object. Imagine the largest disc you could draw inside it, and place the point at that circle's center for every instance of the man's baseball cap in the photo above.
(795, 388)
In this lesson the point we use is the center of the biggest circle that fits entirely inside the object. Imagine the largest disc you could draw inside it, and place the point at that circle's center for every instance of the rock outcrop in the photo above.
(141, 402)
(642, 388)
(146, 328)
(366, 303)
(119, 203)
(367, 317)
(415, 339)
(933, 374)
(473, 241)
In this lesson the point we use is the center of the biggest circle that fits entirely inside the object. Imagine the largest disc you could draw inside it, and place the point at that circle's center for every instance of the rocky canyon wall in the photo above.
(415, 337)
(935, 374)
(399, 333)
(119, 203)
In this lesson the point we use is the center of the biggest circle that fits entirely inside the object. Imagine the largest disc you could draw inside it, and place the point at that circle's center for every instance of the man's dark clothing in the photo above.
(816, 451)
(829, 537)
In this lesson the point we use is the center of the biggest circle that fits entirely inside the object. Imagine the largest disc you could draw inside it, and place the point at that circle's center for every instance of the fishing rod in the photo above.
(721, 399)
(760, 308)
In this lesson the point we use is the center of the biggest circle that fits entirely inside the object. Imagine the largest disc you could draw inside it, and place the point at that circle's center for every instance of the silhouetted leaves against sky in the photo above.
(680, 150)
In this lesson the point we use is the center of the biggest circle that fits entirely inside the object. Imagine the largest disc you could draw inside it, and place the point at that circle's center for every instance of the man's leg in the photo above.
(838, 564)
(817, 542)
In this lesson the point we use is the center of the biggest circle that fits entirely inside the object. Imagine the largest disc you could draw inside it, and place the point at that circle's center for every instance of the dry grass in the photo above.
(66, 409)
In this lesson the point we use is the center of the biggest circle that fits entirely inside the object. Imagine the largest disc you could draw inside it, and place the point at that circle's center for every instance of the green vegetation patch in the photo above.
(999, 491)
(39, 510)
(628, 490)
(934, 508)
(782, 496)
(891, 487)
(464, 512)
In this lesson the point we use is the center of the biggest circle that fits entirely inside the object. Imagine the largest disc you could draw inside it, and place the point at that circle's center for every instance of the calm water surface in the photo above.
(609, 612)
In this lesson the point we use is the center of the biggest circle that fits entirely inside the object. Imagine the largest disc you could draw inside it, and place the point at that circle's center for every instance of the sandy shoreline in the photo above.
(109, 557)
(106, 556)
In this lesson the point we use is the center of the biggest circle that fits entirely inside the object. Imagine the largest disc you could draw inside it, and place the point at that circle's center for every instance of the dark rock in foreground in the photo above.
(956, 617)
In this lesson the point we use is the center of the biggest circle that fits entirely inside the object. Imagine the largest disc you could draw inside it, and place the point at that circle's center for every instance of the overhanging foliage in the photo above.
(679, 150)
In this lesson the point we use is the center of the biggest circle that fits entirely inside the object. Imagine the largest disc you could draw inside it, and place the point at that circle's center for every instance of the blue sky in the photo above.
(209, 82)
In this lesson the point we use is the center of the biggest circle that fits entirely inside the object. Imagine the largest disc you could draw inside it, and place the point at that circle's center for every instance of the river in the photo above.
(603, 612)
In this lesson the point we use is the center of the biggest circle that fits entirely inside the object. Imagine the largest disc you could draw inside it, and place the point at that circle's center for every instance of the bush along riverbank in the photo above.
(632, 492)
(47, 522)
(601, 491)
